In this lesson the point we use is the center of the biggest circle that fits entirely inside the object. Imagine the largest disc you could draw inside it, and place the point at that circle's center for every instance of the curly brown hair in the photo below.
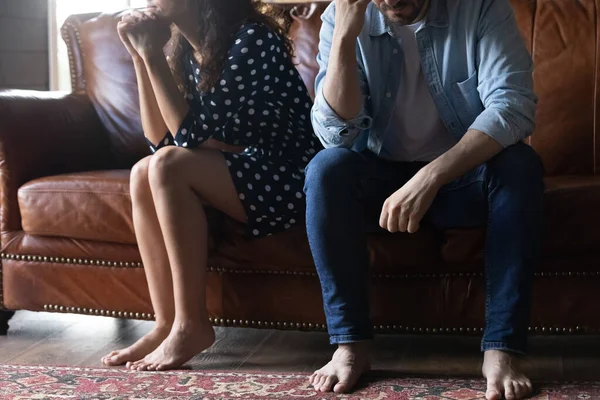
(220, 21)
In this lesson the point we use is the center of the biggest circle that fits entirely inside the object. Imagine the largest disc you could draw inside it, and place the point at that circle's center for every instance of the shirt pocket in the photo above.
(466, 100)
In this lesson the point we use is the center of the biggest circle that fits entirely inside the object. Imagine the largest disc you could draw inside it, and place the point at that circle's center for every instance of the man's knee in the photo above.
(517, 165)
(332, 168)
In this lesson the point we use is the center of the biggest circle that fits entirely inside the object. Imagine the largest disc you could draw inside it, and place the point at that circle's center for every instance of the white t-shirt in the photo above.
(416, 131)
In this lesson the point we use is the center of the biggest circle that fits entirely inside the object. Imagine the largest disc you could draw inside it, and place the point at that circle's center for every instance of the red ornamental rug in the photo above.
(50, 383)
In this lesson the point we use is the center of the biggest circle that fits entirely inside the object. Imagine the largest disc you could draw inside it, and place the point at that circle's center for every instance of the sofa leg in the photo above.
(5, 316)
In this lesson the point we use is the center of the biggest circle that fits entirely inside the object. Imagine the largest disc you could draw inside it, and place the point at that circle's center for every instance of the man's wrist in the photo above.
(437, 174)
(342, 37)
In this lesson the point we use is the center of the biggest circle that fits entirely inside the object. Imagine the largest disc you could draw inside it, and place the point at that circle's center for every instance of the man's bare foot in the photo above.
(182, 344)
(139, 349)
(504, 379)
(349, 362)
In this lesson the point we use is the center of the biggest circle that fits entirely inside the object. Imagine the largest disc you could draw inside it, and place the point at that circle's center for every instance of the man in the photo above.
(422, 106)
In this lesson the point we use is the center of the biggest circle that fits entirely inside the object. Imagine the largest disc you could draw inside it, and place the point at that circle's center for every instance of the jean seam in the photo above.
(500, 346)
(340, 339)
(486, 261)
(443, 191)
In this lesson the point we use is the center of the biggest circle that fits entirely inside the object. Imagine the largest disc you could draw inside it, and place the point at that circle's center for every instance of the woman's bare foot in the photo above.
(348, 364)
(504, 379)
(139, 349)
(182, 344)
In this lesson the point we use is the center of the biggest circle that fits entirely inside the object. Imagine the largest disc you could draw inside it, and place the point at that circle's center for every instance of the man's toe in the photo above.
(529, 386)
(522, 390)
(342, 387)
(509, 391)
(328, 385)
(319, 380)
(493, 391)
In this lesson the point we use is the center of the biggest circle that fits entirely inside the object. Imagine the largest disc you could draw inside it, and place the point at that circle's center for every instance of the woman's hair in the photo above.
(220, 20)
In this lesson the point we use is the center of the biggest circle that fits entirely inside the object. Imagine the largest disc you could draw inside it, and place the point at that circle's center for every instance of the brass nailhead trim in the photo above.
(67, 39)
(74, 261)
(91, 311)
(307, 326)
(126, 264)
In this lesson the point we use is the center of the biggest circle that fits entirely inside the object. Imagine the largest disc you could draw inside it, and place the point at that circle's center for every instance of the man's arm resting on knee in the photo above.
(404, 210)
(505, 87)
(474, 149)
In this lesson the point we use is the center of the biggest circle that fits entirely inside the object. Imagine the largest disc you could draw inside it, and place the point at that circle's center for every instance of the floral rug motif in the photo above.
(54, 383)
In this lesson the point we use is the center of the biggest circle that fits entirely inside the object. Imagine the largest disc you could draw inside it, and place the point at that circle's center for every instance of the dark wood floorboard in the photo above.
(71, 340)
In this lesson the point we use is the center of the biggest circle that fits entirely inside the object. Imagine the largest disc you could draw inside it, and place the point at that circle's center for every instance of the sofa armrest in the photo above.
(44, 134)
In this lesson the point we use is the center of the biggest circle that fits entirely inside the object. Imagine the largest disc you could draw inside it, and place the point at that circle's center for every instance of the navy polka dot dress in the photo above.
(260, 102)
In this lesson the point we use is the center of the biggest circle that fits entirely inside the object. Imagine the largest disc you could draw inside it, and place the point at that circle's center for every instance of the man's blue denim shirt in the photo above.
(475, 62)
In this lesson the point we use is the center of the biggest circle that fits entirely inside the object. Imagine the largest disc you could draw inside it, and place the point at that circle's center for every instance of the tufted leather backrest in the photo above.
(561, 34)
(102, 68)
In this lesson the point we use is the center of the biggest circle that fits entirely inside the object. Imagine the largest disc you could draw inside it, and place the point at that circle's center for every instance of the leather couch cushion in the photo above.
(87, 205)
(97, 206)
(289, 252)
(572, 218)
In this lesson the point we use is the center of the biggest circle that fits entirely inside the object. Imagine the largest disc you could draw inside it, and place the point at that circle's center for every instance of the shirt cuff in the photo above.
(333, 127)
(494, 123)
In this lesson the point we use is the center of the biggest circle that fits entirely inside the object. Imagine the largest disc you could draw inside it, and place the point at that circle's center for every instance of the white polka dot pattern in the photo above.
(273, 126)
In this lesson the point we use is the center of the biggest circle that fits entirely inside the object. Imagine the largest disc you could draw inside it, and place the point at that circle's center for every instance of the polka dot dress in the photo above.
(260, 103)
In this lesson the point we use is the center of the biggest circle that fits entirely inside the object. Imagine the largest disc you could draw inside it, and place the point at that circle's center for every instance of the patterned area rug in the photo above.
(50, 383)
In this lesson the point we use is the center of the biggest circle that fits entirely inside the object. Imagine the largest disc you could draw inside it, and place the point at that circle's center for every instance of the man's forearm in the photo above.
(474, 149)
(152, 122)
(342, 82)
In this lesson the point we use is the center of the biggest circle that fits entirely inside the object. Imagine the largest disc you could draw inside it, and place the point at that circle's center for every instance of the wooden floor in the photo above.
(70, 340)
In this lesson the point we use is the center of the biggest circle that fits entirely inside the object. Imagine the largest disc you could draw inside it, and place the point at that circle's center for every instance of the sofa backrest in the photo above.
(102, 67)
(561, 34)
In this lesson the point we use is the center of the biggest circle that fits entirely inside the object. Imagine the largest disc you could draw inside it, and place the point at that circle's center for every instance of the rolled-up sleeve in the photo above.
(505, 77)
(332, 130)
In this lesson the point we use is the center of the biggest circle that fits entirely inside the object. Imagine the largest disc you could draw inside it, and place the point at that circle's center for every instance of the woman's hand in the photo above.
(143, 33)
(123, 27)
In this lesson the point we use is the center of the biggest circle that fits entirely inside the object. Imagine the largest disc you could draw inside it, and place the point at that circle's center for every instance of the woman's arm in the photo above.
(153, 123)
(170, 104)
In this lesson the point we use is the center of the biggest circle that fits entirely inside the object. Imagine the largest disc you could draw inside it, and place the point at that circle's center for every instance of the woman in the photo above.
(241, 89)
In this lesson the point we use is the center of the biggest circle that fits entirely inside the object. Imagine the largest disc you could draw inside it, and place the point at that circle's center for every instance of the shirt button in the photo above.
(388, 95)
(395, 51)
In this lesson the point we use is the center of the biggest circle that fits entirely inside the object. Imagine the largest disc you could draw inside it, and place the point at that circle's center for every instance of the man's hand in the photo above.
(350, 17)
(404, 210)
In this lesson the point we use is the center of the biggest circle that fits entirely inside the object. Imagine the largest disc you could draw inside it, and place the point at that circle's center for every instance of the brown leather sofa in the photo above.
(67, 239)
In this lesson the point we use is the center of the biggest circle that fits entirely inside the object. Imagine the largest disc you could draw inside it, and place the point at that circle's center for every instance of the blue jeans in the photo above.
(345, 192)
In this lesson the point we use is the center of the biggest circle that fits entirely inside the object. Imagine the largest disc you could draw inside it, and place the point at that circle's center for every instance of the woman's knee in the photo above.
(164, 164)
(138, 181)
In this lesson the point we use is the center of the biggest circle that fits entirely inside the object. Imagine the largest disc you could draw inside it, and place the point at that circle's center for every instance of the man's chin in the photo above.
(398, 17)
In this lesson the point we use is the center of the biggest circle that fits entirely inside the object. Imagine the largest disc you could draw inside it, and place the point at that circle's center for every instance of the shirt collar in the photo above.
(436, 16)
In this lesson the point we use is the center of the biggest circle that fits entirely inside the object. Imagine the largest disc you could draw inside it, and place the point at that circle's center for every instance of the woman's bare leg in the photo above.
(179, 179)
(156, 264)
